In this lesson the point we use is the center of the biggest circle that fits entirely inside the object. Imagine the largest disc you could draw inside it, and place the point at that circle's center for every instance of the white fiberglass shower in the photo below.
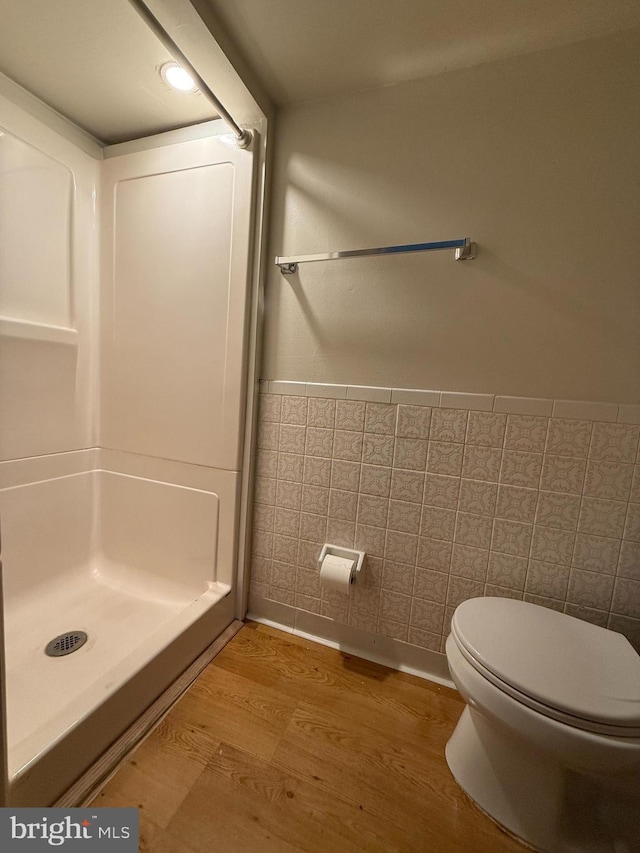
(124, 316)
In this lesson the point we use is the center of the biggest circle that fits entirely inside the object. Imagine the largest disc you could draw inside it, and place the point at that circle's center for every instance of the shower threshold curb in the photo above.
(84, 790)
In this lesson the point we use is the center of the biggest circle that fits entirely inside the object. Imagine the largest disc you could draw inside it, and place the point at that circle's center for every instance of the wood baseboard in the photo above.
(87, 786)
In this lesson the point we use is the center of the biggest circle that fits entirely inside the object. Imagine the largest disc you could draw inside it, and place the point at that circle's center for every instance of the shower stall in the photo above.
(127, 303)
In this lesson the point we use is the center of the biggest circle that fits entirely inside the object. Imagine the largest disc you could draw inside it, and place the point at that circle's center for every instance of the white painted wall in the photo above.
(535, 158)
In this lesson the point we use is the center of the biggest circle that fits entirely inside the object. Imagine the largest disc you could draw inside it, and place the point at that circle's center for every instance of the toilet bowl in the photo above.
(548, 744)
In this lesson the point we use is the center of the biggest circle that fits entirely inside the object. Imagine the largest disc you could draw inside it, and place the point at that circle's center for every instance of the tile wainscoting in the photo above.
(451, 496)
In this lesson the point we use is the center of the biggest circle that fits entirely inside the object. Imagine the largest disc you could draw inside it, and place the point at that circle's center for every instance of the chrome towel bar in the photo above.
(465, 251)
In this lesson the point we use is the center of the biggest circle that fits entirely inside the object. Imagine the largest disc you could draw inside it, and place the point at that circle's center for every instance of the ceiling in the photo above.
(97, 63)
(304, 50)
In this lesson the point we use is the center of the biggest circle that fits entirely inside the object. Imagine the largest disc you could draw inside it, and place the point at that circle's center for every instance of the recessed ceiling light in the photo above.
(177, 77)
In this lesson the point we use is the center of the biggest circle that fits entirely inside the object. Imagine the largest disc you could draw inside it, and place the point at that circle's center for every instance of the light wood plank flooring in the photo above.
(284, 745)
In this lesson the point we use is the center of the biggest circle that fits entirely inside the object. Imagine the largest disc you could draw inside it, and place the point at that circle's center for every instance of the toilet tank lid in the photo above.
(556, 659)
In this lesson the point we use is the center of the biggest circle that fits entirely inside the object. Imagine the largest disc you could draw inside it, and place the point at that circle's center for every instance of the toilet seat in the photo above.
(562, 667)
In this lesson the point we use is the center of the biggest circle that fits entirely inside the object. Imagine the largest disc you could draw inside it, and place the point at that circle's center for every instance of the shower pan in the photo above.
(125, 316)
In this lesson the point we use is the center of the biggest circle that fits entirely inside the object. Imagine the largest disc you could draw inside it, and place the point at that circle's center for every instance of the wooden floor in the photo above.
(285, 745)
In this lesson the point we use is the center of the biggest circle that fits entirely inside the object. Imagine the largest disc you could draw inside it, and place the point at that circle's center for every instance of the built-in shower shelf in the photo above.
(11, 328)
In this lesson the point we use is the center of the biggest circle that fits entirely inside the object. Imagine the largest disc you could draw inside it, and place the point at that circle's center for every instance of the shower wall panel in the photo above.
(48, 283)
(175, 239)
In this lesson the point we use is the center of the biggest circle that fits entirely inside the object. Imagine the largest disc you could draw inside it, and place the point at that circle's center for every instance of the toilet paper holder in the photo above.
(346, 553)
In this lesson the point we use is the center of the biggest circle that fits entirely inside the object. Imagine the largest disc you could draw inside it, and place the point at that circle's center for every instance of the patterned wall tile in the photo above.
(413, 422)
(394, 630)
(626, 597)
(507, 570)
(473, 530)
(286, 521)
(587, 614)
(373, 510)
(552, 545)
(460, 589)
(434, 554)
(290, 467)
(610, 480)
(448, 505)
(340, 532)
(407, 485)
(547, 579)
(394, 606)
(313, 527)
(558, 510)
(263, 516)
(375, 480)
(629, 561)
(315, 499)
(350, 415)
(596, 553)
(511, 537)
(404, 516)
(294, 410)
(469, 562)
(319, 442)
(268, 435)
(486, 429)
(265, 490)
(289, 494)
(431, 585)
(321, 413)
(614, 442)
(347, 445)
(478, 497)
(370, 539)
(402, 547)
(521, 469)
(438, 523)
(398, 577)
(343, 505)
(632, 524)
(481, 463)
(590, 589)
(516, 503)
(378, 450)
(270, 407)
(427, 615)
(317, 471)
(380, 418)
(562, 474)
(448, 425)
(410, 453)
(526, 432)
(424, 639)
(440, 490)
(345, 475)
(445, 458)
(601, 517)
(569, 438)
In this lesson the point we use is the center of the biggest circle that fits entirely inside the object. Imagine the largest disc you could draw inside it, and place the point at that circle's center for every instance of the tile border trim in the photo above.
(585, 410)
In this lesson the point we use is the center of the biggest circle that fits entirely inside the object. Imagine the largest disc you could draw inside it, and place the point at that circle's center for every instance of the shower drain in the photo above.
(64, 644)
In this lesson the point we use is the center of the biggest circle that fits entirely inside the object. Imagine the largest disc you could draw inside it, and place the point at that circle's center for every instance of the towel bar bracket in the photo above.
(467, 252)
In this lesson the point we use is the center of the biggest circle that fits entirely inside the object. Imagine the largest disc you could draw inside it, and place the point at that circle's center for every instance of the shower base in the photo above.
(132, 563)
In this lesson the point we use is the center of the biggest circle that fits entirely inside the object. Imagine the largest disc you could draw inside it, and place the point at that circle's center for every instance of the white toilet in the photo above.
(549, 742)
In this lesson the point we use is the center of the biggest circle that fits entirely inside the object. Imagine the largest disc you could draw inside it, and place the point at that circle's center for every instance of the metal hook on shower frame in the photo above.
(243, 136)
(465, 250)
